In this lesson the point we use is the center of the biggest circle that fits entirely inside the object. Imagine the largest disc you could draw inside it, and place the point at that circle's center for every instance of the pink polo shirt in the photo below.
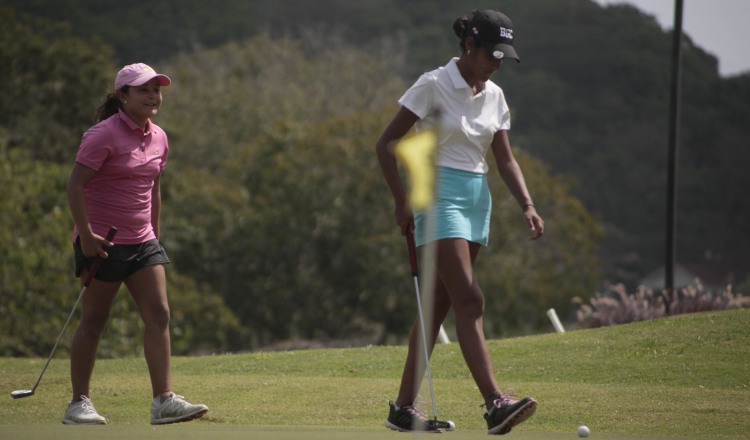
(127, 160)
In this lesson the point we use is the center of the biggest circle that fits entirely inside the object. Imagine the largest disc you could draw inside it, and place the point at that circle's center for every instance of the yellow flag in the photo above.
(417, 153)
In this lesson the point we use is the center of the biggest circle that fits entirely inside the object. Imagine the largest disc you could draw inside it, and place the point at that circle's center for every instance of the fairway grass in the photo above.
(681, 377)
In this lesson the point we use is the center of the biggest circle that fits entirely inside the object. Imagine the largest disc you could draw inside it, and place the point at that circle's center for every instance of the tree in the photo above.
(291, 221)
(35, 292)
(51, 85)
(589, 99)
(522, 279)
(45, 105)
(38, 289)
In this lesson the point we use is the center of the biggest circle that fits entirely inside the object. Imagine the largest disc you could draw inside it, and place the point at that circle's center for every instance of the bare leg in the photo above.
(411, 378)
(148, 287)
(455, 261)
(95, 306)
(456, 287)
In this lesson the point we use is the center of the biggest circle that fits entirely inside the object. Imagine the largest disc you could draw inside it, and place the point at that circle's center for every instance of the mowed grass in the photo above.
(682, 376)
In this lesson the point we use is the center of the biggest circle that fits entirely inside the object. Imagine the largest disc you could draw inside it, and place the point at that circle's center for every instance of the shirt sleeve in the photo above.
(503, 113)
(420, 97)
(96, 147)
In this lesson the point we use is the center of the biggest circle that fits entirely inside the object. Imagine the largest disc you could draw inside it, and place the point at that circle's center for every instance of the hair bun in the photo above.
(459, 26)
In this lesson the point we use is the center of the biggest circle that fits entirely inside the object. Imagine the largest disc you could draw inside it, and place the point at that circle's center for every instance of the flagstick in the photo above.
(429, 256)
(417, 154)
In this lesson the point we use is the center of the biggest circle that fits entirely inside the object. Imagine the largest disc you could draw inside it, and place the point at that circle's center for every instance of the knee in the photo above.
(469, 305)
(158, 317)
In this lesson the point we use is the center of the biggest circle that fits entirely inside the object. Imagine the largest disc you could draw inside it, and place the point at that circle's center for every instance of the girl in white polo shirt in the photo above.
(471, 116)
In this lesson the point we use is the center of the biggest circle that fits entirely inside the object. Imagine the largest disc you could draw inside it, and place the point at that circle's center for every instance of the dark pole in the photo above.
(674, 131)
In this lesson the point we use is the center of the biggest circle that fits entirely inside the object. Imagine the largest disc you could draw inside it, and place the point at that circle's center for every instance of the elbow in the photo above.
(380, 146)
(382, 150)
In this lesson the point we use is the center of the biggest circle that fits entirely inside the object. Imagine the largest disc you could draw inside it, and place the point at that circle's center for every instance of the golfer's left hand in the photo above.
(535, 223)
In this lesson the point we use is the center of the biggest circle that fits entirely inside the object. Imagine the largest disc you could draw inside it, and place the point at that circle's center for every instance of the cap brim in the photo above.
(505, 50)
(143, 79)
(164, 80)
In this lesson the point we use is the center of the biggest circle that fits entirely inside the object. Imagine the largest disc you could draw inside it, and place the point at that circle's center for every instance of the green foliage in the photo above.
(590, 99)
(322, 255)
(592, 102)
(521, 278)
(274, 204)
(268, 222)
(225, 97)
(47, 102)
(712, 205)
(35, 282)
(51, 84)
(275, 103)
(291, 221)
(38, 289)
(201, 322)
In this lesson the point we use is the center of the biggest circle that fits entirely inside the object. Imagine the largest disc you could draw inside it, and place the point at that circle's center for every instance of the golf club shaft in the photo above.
(415, 274)
(94, 267)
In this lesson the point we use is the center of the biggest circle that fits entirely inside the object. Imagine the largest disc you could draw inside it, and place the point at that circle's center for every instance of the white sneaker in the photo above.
(175, 409)
(83, 413)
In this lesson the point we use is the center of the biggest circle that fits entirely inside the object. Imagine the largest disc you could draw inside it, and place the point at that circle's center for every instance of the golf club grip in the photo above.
(98, 260)
(412, 252)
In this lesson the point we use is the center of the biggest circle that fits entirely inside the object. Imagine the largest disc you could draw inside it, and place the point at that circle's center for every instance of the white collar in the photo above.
(455, 75)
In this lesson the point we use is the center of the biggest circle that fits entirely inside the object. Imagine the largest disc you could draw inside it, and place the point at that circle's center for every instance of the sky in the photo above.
(717, 26)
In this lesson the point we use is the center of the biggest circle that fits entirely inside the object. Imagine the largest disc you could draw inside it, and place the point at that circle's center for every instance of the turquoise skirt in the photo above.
(461, 208)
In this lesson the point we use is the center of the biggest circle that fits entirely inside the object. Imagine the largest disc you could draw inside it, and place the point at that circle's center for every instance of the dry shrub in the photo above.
(617, 306)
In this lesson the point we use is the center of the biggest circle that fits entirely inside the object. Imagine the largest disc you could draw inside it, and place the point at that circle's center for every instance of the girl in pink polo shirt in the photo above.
(115, 182)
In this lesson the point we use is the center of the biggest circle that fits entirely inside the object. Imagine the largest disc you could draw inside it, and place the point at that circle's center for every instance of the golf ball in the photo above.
(583, 431)
(451, 426)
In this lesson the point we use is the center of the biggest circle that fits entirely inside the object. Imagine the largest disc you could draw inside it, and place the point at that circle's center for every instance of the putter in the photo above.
(18, 394)
(439, 424)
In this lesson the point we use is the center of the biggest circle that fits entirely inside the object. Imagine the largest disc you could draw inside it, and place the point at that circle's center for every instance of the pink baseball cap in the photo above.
(138, 74)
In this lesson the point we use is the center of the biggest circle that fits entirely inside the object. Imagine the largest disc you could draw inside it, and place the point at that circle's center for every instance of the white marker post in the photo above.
(555, 321)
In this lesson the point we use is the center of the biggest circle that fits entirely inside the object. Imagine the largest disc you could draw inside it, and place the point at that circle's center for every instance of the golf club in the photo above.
(18, 394)
(446, 425)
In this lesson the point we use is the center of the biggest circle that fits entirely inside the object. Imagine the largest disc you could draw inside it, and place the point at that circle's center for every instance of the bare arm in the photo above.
(91, 244)
(156, 205)
(512, 175)
(398, 127)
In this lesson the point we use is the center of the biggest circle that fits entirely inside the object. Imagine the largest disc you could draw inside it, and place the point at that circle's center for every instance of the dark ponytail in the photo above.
(110, 106)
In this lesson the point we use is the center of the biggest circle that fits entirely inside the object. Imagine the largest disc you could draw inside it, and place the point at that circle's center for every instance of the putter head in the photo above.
(18, 394)
(442, 425)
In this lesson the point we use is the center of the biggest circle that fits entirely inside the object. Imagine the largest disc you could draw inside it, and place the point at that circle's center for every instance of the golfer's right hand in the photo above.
(94, 245)
(405, 219)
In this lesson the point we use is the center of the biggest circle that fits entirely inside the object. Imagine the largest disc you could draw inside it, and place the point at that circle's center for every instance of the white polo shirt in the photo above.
(467, 123)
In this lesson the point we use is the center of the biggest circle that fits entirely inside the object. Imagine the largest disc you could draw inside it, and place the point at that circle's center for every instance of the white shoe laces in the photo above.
(87, 406)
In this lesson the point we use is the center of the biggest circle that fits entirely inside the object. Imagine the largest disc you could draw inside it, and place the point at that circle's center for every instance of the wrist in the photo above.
(527, 205)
